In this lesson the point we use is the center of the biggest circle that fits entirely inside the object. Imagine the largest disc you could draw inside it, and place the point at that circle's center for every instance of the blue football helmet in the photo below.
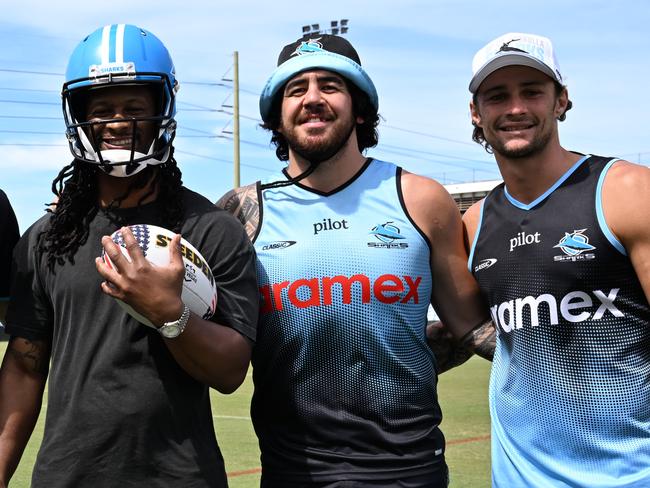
(114, 55)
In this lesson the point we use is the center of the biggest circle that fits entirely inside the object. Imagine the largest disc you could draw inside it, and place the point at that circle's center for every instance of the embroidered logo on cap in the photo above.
(506, 47)
(310, 46)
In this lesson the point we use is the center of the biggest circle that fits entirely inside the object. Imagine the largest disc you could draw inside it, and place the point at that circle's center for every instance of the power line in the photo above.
(35, 117)
(5, 88)
(444, 163)
(51, 73)
(29, 102)
(28, 72)
(439, 155)
(212, 158)
(11, 131)
(432, 136)
(30, 144)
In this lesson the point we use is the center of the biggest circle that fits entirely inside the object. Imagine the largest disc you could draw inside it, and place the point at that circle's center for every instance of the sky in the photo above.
(418, 54)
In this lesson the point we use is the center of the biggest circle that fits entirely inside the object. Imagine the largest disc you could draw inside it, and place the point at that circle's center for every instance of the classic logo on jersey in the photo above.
(310, 46)
(575, 306)
(387, 234)
(575, 246)
(321, 292)
(485, 264)
(524, 239)
(277, 245)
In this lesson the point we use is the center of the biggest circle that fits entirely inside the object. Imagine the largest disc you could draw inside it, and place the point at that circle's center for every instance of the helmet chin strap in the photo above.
(117, 162)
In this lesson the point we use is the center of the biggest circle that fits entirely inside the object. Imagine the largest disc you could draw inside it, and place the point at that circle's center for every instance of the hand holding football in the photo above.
(199, 291)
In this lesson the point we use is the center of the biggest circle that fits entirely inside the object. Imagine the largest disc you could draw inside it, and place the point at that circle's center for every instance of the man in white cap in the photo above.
(350, 250)
(561, 252)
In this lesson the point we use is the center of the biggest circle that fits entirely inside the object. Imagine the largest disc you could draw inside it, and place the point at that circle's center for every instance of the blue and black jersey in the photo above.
(570, 384)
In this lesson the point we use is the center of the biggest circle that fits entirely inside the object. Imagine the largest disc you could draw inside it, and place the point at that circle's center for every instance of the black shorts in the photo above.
(439, 479)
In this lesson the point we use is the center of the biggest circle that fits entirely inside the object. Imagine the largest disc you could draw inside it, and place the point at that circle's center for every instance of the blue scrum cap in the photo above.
(318, 51)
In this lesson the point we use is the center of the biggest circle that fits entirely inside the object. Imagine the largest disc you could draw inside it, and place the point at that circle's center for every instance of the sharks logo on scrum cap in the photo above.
(309, 46)
(326, 52)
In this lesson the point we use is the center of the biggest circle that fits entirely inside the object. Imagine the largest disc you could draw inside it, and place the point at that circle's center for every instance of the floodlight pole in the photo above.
(235, 117)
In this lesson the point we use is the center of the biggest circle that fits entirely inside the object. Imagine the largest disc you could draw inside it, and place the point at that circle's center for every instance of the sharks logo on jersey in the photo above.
(575, 246)
(387, 233)
(574, 243)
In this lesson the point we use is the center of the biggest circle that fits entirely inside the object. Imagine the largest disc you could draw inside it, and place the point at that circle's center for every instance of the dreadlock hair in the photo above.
(479, 137)
(361, 107)
(77, 189)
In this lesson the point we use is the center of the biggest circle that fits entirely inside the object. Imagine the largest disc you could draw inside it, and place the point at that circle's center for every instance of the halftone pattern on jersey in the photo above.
(342, 368)
(571, 376)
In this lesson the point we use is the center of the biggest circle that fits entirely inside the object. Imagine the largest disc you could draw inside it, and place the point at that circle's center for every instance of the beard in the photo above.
(535, 146)
(317, 151)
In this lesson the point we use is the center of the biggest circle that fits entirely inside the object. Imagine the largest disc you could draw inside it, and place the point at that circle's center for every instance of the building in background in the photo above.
(466, 194)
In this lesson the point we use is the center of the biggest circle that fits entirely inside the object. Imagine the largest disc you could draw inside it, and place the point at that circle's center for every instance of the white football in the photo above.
(199, 290)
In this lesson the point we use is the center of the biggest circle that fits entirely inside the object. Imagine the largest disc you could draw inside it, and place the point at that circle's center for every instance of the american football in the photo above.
(199, 289)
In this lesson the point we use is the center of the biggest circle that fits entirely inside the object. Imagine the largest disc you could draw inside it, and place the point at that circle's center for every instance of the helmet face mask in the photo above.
(113, 56)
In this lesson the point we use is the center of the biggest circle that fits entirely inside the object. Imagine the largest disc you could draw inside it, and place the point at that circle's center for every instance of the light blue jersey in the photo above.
(345, 383)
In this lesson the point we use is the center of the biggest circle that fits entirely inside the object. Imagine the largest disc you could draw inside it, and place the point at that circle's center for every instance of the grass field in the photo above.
(466, 424)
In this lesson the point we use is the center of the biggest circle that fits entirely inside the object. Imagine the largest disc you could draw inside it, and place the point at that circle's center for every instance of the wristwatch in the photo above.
(170, 330)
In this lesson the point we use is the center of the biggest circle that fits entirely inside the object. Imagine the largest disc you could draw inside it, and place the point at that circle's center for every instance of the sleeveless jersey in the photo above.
(345, 384)
(570, 383)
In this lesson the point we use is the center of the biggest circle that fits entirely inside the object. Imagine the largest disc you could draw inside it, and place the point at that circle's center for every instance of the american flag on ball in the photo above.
(141, 234)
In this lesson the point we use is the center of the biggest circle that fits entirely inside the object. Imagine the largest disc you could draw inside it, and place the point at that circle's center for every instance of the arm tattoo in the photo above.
(243, 203)
(449, 353)
(33, 356)
(483, 340)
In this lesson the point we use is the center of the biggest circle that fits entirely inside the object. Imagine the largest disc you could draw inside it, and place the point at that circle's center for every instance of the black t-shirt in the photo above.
(8, 237)
(121, 411)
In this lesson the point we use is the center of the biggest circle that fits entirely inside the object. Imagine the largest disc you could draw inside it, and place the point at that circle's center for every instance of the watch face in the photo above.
(170, 331)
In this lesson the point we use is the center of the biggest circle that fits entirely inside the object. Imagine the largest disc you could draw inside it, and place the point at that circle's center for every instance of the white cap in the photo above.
(514, 49)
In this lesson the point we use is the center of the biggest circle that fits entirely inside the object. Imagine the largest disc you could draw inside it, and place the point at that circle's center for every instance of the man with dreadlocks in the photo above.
(350, 252)
(126, 406)
(8, 238)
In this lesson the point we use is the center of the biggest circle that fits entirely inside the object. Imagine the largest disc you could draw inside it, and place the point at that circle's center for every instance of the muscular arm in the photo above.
(455, 296)
(22, 381)
(626, 205)
(243, 203)
(214, 354)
